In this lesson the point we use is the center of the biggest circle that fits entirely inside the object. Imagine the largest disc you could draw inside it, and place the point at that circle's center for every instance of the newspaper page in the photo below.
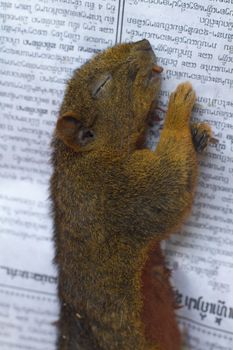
(41, 43)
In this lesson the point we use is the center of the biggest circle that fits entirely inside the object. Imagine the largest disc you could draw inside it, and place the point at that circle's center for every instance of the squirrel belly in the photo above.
(158, 314)
(113, 201)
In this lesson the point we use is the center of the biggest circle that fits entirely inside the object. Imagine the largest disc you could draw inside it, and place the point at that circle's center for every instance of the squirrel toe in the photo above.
(201, 135)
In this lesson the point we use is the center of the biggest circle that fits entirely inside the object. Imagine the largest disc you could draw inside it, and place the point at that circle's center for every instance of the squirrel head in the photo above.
(109, 99)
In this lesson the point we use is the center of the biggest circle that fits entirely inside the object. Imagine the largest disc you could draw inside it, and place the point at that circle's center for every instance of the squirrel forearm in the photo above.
(160, 185)
(161, 189)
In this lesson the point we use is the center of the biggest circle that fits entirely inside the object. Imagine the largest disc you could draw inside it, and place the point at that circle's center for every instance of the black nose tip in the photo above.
(143, 45)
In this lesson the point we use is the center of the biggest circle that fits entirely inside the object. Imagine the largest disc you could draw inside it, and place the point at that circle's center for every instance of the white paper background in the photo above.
(41, 43)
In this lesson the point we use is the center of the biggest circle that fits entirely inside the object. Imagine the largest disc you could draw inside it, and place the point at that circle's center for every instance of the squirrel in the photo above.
(114, 201)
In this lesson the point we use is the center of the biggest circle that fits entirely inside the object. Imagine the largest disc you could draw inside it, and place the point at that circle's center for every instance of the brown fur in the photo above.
(114, 201)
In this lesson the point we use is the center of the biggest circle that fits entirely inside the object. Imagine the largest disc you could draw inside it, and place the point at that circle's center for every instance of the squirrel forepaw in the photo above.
(201, 136)
(180, 105)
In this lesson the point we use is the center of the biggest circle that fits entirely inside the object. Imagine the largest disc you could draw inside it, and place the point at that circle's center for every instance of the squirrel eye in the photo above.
(101, 84)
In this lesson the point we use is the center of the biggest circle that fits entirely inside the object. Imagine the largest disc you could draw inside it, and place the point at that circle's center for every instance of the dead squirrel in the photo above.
(114, 201)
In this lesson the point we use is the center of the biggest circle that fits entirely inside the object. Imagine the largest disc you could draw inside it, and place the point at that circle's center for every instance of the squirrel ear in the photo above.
(71, 131)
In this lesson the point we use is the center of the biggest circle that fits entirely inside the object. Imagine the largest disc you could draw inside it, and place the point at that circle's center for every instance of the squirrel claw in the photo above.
(184, 96)
(201, 136)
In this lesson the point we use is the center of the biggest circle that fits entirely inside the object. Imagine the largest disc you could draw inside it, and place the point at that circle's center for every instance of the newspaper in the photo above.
(41, 43)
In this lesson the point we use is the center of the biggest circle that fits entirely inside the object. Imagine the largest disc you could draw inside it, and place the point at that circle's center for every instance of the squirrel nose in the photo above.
(157, 69)
(143, 45)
